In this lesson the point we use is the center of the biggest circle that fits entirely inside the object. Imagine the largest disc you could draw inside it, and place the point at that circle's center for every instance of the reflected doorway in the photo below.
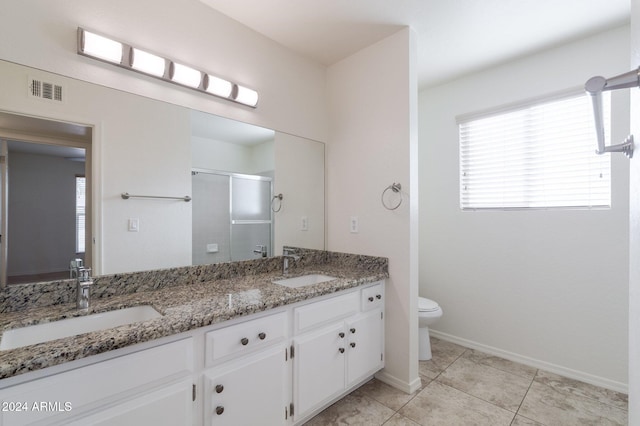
(46, 210)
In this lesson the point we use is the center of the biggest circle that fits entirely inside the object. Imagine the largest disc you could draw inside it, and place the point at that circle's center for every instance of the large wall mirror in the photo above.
(102, 142)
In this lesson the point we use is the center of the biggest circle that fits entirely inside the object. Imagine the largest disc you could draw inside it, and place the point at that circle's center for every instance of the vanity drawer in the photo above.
(326, 311)
(373, 297)
(245, 337)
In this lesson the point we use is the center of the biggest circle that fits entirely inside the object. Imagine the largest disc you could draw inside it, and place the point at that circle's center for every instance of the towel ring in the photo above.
(278, 197)
(396, 188)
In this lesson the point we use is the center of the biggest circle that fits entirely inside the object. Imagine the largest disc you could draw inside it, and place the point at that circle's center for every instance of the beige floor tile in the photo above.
(442, 405)
(385, 394)
(551, 406)
(523, 421)
(443, 355)
(501, 364)
(353, 409)
(586, 390)
(498, 387)
(400, 420)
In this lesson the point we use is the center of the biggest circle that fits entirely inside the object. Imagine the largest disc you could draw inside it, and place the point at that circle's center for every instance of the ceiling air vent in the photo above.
(45, 90)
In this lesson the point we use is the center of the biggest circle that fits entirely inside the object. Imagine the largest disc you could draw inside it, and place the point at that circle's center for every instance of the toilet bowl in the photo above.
(428, 313)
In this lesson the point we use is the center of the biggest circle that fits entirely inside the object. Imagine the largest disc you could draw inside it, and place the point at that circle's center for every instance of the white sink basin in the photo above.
(304, 280)
(40, 333)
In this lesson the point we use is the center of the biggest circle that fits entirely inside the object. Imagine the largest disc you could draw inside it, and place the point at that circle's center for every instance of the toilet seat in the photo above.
(427, 305)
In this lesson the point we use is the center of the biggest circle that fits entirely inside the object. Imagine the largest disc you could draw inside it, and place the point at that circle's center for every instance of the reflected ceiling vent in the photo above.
(45, 90)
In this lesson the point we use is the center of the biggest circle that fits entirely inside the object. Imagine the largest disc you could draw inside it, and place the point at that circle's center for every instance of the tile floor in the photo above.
(462, 386)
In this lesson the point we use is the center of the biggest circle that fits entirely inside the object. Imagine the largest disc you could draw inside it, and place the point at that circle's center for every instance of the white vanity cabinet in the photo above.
(248, 383)
(339, 342)
(276, 367)
(153, 383)
(250, 391)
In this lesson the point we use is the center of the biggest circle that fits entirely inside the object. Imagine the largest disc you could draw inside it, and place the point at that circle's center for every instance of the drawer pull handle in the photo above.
(341, 350)
(378, 296)
(219, 388)
(244, 341)
(352, 344)
(341, 334)
(262, 336)
(353, 331)
(371, 299)
(219, 410)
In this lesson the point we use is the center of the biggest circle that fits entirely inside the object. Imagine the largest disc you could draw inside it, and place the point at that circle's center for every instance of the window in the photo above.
(538, 155)
(80, 213)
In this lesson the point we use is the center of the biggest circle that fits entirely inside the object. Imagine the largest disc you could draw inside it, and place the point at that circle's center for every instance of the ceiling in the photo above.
(455, 37)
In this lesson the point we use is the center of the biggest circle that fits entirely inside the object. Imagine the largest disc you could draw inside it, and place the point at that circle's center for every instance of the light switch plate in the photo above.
(134, 224)
(304, 223)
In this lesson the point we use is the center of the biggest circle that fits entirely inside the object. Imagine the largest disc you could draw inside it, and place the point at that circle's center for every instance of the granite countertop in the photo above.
(183, 307)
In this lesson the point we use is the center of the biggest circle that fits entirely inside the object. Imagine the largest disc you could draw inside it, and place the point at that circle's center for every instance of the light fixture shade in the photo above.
(147, 63)
(246, 96)
(217, 86)
(129, 57)
(95, 45)
(185, 75)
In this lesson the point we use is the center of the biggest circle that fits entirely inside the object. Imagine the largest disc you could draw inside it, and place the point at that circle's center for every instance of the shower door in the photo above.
(250, 216)
(231, 216)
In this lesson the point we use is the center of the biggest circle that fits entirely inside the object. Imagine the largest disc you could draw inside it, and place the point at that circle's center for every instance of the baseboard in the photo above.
(543, 365)
(393, 381)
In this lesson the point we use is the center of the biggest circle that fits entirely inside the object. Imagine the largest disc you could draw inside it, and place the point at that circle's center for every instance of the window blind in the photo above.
(540, 155)
(80, 213)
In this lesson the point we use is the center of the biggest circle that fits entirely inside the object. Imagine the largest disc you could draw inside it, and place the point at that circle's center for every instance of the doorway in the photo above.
(45, 182)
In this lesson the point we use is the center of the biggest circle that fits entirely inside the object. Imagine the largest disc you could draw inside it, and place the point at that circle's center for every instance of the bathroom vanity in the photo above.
(234, 350)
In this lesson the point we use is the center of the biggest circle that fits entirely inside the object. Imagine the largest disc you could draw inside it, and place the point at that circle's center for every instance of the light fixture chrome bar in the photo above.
(594, 88)
(126, 196)
(124, 55)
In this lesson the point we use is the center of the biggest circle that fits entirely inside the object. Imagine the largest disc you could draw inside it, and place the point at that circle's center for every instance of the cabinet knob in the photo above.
(352, 330)
(244, 341)
(219, 410)
(219, 388)
(378, 296)
(371, 299)
(341, 350)
(352, 344)
(262, 336)
(341, 334)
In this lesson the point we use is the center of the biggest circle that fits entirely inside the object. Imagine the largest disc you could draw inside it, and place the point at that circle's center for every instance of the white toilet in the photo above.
(428, 313)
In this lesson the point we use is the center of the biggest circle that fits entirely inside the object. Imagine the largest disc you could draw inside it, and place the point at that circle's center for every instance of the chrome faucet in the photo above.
(83, 284)
(261, 249)
(286, 255)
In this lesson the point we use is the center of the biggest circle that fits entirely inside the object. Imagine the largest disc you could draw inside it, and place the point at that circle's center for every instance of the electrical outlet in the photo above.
(304, 223)
(353, 225)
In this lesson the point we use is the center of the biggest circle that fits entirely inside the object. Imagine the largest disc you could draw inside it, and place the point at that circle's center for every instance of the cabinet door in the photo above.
(319, 364)
(364, 348)
(170, 406)
(250, 391)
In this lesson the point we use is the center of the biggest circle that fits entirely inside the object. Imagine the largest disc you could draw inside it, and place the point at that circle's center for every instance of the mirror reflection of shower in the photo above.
(232, 217)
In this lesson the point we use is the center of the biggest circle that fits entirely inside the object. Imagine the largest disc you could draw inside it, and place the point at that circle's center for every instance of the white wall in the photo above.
(41, 212)
(634, 247)
(300, 176)
(231, 157)
(548, 288)
(372, 100)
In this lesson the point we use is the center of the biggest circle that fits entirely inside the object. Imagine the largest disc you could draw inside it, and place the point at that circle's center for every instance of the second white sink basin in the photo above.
(39, 333)
(304, 280)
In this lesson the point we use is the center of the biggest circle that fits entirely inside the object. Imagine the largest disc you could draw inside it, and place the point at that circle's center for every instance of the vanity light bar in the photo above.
(97, 46)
